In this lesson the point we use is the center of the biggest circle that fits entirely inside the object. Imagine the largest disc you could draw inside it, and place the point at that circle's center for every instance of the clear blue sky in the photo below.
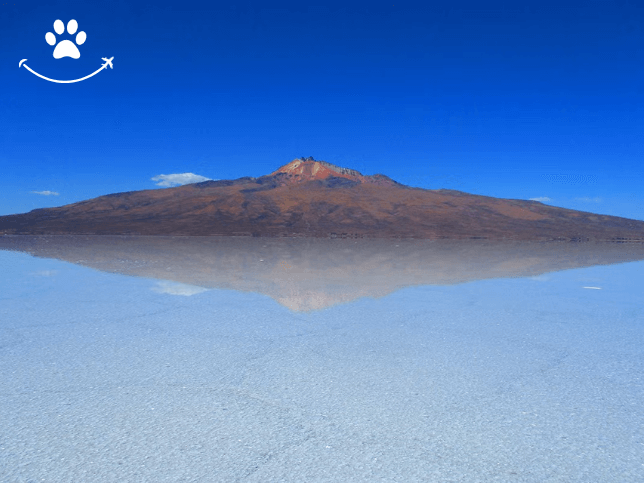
(508, 99)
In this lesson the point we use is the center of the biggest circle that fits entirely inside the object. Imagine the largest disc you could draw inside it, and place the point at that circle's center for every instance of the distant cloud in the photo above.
(46, 193)
(587, 199)
(178, 288)
(178, 179)
(543, 199)
(46, 273)
(540, 278)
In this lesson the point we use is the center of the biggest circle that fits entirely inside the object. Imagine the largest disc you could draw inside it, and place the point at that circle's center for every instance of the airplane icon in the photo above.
(108, 62)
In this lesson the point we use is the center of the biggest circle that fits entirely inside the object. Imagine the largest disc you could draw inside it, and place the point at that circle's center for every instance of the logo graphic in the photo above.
(67, 48)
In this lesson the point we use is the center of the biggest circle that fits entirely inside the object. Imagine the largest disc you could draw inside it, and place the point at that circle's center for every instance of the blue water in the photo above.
(105, 377)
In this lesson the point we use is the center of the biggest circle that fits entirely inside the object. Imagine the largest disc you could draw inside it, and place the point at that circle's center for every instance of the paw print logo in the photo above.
(66, 48)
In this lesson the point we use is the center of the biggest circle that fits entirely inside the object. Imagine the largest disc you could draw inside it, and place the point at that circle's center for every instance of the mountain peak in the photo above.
(318, 199)
(308, 169)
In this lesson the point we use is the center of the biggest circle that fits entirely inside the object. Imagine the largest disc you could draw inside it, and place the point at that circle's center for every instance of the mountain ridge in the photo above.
(318, 199)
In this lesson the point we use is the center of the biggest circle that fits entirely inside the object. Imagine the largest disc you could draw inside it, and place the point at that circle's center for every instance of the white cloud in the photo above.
(587, 199)
(178, 288)
(540, 278)
(178, 179)
(543, 199)
(46, 193)
(46, 273)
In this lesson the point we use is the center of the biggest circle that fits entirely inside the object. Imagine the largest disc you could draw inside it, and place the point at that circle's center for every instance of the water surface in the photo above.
(261, 361)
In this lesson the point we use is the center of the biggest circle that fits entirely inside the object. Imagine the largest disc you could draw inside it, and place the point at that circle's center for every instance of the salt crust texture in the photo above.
(104, 378)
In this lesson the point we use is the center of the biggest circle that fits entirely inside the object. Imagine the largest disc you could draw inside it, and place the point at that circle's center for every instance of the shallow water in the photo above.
(112, 377)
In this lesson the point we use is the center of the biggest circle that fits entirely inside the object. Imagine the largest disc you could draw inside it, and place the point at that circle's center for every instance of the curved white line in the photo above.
(66, 81)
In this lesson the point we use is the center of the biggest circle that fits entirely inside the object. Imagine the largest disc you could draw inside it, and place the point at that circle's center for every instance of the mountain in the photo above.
(311, 198)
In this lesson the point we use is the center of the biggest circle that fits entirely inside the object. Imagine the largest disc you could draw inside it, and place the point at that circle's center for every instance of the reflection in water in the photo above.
(178, 288)
(307, 274)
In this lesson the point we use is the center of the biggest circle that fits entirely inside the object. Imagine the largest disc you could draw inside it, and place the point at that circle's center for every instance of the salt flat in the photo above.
(106, 377)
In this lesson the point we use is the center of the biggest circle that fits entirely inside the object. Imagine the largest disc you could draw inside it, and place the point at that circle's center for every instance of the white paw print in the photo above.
(66, 48)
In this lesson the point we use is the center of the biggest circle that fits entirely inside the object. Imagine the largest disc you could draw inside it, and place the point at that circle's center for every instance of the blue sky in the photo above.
(508, 99)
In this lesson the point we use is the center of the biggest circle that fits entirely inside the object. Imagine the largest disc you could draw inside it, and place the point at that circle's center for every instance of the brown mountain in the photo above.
(317, 199)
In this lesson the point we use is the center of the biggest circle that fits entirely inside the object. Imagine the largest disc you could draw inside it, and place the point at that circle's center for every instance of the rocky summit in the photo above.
(309, 198)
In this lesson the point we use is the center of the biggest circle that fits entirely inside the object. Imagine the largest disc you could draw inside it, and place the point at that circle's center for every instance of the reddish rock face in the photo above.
(311, 198)
(303, 170)
(308, 169)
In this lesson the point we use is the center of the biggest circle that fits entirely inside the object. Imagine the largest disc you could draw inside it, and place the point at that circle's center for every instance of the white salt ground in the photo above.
(104, 378)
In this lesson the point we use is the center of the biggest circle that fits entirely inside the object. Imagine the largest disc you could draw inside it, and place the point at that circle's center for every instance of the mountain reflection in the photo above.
(306, 274)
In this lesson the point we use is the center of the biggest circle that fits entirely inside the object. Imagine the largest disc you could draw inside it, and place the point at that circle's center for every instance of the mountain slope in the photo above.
(317, 199)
